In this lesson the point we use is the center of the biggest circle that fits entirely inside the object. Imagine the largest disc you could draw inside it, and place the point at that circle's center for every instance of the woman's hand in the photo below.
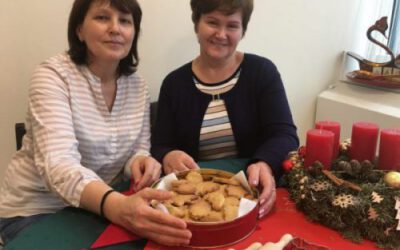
(260, 175)
(145, 170)
(135, 214)
(176, 161)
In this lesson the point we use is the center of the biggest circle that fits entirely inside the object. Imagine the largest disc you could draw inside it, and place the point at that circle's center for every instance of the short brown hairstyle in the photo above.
(228, 7)
(78, 50)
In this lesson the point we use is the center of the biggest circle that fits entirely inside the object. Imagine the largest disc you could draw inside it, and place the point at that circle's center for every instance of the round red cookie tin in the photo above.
(218, 234)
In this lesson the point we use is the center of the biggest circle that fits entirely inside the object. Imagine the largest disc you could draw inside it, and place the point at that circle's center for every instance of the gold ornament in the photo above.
(392, 179)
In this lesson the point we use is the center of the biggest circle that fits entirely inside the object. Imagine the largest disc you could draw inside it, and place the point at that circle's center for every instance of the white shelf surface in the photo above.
(348, 103)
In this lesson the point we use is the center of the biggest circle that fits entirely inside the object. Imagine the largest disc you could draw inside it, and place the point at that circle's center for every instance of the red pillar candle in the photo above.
(319, 147)
(364, 137)
(335, 128)
(389, 149)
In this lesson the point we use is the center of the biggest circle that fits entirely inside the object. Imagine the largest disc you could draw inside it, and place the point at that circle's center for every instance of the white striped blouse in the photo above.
(72, 138)
(216, 136)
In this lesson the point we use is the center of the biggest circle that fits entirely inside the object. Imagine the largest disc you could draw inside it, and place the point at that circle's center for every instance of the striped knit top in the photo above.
(216, 136)
(72, 138)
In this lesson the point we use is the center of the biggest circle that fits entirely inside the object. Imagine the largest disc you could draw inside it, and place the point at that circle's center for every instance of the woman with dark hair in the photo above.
(88, 121)
(225, 103)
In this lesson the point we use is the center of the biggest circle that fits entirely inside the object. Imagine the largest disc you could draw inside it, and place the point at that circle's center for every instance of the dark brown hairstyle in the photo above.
(78, 50)
(228, 7)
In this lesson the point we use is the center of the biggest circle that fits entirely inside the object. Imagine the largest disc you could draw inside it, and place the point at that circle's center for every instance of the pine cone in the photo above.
(345, 166)
(355, 166)
(366, 166)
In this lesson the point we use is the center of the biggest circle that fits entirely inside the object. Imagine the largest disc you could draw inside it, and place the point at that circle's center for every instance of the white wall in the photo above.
(304, 38)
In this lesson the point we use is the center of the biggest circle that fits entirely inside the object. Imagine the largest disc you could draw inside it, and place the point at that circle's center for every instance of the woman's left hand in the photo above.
(145, 171)
(260, 175)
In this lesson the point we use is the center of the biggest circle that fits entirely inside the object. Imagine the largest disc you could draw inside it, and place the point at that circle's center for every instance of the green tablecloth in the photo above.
(76, 229)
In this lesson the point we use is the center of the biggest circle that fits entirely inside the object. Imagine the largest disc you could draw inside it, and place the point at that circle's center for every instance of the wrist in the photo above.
(111, 205)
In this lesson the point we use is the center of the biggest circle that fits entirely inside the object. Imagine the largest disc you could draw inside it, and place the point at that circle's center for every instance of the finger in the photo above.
(154, 194)
(165, 223)
(190, 163)
(268, 186)
(146, 176)
(267, 206)
(167, 169)
(157, 172)
(152, 173)
(136, 171)
(180, 167)
(253, 172)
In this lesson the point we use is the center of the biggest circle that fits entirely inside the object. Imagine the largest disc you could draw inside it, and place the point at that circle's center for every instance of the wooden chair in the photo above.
(19, 133)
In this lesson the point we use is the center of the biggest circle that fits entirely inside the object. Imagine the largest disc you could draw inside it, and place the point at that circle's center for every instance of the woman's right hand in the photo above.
(136, 215)
(177, 160)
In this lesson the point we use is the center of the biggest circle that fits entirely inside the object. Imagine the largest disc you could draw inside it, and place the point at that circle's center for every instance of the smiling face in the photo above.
(219, 34)
(107, 33)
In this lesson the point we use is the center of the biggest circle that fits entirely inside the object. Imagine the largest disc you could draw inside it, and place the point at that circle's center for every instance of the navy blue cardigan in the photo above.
(257, 107)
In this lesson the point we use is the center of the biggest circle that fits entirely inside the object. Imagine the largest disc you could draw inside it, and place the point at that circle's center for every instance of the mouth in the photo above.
(114, 42)
(218, 44)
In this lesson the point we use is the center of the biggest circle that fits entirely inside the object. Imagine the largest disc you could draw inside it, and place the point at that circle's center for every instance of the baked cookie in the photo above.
(216, 199)
(231, 200)
(199, 210)
(214, 216)
(206, 187)
(183, 187)
(194, 177)
(183, 199)
(236, 191)
(230, 212)
(230, 181)
(179, 212)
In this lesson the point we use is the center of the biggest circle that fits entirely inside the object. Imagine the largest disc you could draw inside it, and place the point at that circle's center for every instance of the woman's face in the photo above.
(107, 32)
(219, 34)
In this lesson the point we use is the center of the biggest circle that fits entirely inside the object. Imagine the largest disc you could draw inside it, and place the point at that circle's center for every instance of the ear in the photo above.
(79, 33)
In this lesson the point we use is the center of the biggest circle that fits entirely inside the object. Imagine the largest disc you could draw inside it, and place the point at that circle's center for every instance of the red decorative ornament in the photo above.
(302, 151)
(287, 165)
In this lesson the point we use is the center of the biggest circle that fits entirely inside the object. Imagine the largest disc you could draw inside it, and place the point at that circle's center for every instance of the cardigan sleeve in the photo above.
(279, 134)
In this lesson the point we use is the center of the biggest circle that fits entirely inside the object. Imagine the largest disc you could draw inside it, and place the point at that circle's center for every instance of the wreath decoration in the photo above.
(353, 198)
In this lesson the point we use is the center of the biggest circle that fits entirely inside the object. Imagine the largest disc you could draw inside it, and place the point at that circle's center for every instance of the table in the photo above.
(76, 229)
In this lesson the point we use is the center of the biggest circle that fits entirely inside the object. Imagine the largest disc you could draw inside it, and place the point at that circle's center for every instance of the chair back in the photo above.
(19, 133)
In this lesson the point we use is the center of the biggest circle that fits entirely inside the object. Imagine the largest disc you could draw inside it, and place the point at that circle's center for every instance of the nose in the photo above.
(221, 33)
(115, 26)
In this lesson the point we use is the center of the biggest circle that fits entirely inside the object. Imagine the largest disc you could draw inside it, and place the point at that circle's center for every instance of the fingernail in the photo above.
(254, 183)
(262, 201)
(261, 212)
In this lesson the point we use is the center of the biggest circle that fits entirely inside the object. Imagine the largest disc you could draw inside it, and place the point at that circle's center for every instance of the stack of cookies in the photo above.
(206, 196)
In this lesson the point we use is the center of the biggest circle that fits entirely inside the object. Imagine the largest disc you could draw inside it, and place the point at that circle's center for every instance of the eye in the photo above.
(125, 20)
(233, 26)
(101, 17)
(212, 23)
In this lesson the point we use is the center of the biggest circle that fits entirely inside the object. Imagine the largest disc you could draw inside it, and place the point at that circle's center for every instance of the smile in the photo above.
(114, 43)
